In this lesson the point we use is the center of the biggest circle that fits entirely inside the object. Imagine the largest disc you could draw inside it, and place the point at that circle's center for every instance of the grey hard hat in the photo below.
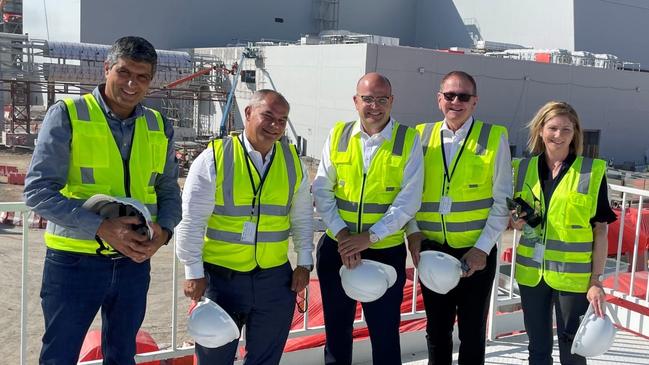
(112, 207)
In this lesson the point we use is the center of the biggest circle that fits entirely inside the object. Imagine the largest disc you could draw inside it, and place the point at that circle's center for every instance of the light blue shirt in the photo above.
(48, 171)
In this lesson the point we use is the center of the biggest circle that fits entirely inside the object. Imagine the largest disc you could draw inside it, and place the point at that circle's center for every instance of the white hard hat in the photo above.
(594, 336)
(112, 207)
(438, 271)
(368, 281)
(211, 326)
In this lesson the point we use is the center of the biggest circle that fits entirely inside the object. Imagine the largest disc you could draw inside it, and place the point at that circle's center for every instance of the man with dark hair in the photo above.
(242, 196)
(105, 142)
(463, 212)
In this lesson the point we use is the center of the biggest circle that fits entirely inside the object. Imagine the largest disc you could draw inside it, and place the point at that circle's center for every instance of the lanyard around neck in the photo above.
(256, 190)
(448, 175)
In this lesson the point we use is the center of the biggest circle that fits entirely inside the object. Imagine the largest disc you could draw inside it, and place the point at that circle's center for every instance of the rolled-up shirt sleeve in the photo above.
(498, 217)
(198, 204)
(166, 186)
(48, 174)
(301, 216)
(408, 200)
(323, 191)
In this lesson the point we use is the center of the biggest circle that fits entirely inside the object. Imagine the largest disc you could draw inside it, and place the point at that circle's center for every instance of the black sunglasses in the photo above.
(450, 96)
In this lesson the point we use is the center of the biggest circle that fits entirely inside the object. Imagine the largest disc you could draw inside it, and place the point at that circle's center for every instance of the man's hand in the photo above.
(195, 288)
(476, 259)
(300, 279)
(118, 234)
(596, 297)
(414, 246)
(160, 237)
(351, 261)
(354, 244)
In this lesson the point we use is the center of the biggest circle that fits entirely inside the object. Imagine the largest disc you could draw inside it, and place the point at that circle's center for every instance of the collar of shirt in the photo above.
(255, 156)
(102, 103)
(376, 139)
(460, 134)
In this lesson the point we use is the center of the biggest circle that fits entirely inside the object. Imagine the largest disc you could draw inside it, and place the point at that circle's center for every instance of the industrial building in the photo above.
(314, 51)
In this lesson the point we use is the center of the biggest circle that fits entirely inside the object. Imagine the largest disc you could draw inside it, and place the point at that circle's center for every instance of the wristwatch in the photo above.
(308, 267)
(374, 238)
(598, 278)
(169, 234)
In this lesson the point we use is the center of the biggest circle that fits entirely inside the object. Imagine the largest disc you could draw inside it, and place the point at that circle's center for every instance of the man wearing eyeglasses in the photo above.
(368, 186)
(242, 196)
(463, 213)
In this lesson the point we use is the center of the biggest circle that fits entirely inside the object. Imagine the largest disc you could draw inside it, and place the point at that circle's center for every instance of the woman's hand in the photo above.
(518, 223)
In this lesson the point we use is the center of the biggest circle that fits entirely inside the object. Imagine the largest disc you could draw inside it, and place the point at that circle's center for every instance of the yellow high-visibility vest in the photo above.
(364, 197)
(233, 206)
(96, 166)
(470, 187)
(566, 232)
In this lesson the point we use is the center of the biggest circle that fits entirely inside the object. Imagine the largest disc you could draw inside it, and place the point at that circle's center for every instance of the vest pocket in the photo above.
(577, 210)
(90, 145)
(158, 146)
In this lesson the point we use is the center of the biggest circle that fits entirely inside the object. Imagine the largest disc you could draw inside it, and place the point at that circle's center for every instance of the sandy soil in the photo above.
(158, 318)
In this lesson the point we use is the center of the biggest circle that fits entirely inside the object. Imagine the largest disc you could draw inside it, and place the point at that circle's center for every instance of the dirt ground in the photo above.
(158, 317)
(13, 193)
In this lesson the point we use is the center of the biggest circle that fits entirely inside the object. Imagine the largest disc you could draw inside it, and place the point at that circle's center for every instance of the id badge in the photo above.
(248, 233)
(539, 250)
(445, 205)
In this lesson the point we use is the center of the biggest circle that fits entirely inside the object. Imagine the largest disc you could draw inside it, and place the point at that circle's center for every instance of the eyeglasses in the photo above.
(450, 96)
(302, 300)
(380, 100)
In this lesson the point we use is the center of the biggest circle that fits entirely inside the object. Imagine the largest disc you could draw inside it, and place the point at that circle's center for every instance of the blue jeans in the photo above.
(74, 287)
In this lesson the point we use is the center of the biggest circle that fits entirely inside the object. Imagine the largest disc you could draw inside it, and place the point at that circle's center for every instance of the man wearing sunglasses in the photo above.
(368, 186)
(467, 180)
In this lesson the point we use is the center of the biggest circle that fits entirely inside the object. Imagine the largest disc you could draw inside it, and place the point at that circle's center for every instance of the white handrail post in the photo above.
(512, 269)
(174, 298)
(636, 242)
(493, 305)
(23, 288)
(619, 242)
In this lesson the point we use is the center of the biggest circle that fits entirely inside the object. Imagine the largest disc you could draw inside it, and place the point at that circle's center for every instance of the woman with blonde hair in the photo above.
(563, 210)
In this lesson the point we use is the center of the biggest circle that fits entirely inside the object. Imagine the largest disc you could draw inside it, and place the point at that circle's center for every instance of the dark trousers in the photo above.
(74, 287)
(537, 305)
(469, 301)
(382, 315)
(262, 300)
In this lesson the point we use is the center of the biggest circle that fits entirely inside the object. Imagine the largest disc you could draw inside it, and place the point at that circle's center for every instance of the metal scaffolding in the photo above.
(33, 73)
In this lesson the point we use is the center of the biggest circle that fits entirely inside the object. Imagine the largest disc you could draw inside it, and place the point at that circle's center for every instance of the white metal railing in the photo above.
(174, 351)
(507, 295)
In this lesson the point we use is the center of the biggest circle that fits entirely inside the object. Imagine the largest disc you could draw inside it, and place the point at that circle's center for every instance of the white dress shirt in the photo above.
(502, 184)
(406, 203)
(198, 203)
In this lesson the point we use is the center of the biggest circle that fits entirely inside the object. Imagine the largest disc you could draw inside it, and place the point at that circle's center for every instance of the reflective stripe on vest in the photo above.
(363, 198)
(566, 232)
(470, 189)
(233, 206)
(96, 166)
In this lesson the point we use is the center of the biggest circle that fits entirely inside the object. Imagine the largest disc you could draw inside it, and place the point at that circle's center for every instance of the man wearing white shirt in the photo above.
(242, 196)
(467, 177)
(368, 186)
